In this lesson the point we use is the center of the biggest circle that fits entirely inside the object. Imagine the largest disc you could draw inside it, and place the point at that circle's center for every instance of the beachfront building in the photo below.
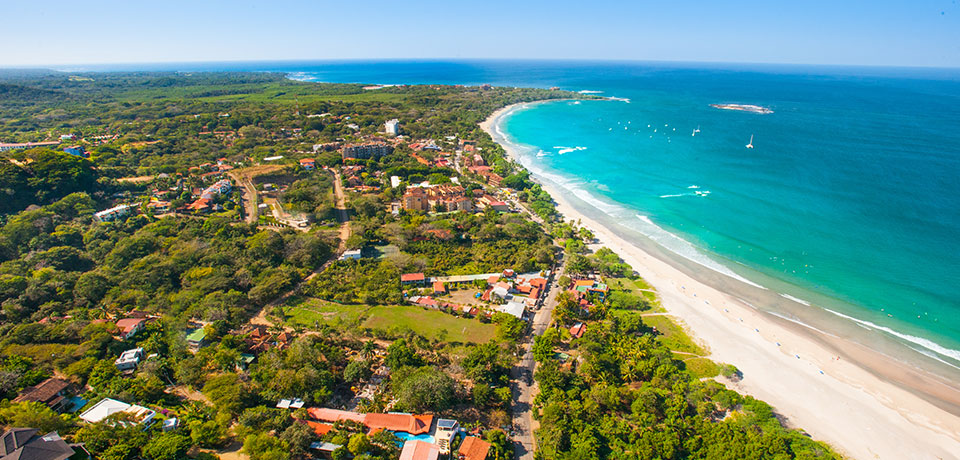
(392, 127)
(108, 407)
(111, 214)
(366, 151)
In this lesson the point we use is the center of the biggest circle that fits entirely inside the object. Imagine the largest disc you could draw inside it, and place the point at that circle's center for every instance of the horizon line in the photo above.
(60, 67)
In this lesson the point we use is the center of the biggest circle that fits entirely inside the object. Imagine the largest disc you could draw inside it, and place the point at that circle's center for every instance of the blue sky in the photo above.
(840, 32)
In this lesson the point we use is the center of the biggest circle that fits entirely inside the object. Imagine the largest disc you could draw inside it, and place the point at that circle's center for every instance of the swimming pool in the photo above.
(404, 436)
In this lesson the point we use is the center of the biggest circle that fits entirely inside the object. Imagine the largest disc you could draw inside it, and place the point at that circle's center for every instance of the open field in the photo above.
(431, 324)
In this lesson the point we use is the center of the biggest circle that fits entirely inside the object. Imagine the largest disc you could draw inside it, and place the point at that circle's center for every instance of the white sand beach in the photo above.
(796, 370)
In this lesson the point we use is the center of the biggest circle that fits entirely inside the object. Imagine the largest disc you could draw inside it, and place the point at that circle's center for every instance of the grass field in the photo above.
(702, 367)
(431, 324)
(638, 287)
(672, 335)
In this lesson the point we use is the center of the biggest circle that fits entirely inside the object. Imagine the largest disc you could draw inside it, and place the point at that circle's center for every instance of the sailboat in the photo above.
(750, 145)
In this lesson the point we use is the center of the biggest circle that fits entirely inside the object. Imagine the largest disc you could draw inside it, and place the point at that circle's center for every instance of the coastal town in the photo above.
(339, 279)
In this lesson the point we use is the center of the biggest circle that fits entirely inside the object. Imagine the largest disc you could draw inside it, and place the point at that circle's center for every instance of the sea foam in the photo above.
(925, 343)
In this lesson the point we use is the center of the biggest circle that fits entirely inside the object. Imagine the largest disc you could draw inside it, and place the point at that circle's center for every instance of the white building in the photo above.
(129, 359)
(113, 213)
(351, 254)
(512, 308)
(392, 127)
(394, 181)
(446, 431)
(108, 407)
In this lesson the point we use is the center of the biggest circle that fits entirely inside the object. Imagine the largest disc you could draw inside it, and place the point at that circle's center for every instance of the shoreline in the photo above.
(834, 390)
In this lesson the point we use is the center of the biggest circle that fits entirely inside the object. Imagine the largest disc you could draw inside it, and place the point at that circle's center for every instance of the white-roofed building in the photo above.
(107, 407)
(512, 308)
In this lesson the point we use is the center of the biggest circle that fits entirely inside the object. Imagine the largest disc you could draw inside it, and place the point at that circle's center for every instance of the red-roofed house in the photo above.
(419, 450)
(493, 279)
(413, 424)
(439, 288)
(578, 329)
(320, 428)
(413, 279)
(308, 163)
(130, 326)
(473, 448)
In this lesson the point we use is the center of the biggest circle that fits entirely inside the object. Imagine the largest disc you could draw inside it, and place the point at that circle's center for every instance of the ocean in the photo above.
(849, 200)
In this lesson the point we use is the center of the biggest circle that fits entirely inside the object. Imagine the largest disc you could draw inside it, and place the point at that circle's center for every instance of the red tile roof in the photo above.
(474, 448)
(439, 287)
(128, 324)
(320, 428)
(578, 329)
(412, 277)
(419, 450)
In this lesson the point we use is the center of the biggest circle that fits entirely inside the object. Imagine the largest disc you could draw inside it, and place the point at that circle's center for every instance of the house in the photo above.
(196, 339)
(53, 392)
(170, 424)
(245, 360)
(419, 450)
(578, 329)
(499, 292)
(447, 430)
(25, 444)
(308, 163)
(113, 213)
(354, 254)
(413, 424)
(412, 279)
(159, 206)
(512, 308)
(130, 326)
(129, 359)
(439, 288)
(108, 407)
(591, 287)
(26, 145)
(473, 448)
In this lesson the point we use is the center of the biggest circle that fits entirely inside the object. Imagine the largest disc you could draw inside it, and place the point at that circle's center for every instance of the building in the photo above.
(108, 407)
(129, 359)
(114, 213)
(53, 392)
(578, 329)
(408, 423)
(419, 450)
(158, 206)
(26, 145)
(512, 308)
(25, 444)
(354, 254)
(447, 430)
(130, 326)
(308, 163)
(392, 127)
(196, 339)
(591, 287)
(412, 279)
(473, 448)
(415, 200)
(364, 151)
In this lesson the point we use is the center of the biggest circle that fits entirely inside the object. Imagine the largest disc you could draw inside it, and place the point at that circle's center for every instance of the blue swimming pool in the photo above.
(403, 435)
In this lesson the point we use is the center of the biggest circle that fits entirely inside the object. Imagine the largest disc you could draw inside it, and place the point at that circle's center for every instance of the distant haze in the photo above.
(855, 32)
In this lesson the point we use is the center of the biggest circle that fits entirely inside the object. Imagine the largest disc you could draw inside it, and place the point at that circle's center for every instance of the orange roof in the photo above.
(578, 329)
(578, 283)
(413, 424)
(493, 279)
(334, 415)
(412, 277)
(439, 287)
(419, 450)
(538, 282)
(320, 428)
(474, 448)
(127, 324)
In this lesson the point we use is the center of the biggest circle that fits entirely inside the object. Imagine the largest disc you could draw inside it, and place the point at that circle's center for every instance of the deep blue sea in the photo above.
(850, 198)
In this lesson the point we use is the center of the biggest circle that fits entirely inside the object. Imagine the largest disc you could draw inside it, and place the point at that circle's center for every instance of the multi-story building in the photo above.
(392, 127)
(365, 151)
(113, 213)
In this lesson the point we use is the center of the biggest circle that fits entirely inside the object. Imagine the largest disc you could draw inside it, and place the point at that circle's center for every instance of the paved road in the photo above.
(522, 386)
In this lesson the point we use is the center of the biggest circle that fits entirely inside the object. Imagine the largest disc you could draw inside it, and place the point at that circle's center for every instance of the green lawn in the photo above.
(432, 324)
(639, 287)
(672, 335)
(702, 367)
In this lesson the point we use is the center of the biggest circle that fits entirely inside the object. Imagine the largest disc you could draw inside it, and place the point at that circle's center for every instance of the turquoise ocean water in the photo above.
(850, 198)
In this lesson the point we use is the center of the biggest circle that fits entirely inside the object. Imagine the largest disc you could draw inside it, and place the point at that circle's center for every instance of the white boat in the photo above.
(750, 145)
